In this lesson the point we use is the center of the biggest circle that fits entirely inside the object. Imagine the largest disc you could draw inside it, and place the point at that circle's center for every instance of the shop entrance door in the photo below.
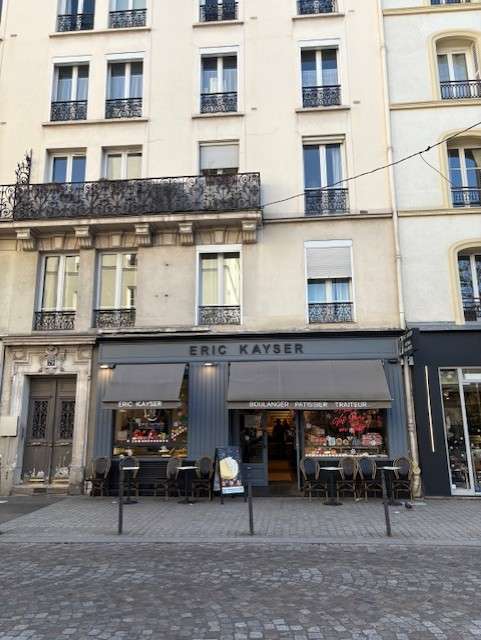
(48, 447)
(252, 437)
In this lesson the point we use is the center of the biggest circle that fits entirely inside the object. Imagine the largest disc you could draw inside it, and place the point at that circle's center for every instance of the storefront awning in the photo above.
(145, 386)
(309, 385)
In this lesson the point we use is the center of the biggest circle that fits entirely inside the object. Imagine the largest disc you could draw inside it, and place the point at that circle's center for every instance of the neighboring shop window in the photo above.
(345, 433)
(60, 283)
(118, 281)
(156, 432)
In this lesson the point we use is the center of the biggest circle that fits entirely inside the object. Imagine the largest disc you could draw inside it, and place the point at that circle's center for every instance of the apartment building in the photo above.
(433, 51)
(183, 265)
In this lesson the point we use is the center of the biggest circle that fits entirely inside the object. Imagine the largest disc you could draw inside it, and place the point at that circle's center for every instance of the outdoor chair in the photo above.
(132, 480)
(310, 475)
(98, 476)
(167, 481)
(204, 475)
(402, 481)
(368, 482)
(162, 483)
(347, 483)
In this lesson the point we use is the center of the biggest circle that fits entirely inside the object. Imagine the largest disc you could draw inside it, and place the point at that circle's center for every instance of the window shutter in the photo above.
(329, 262)
(219, 156)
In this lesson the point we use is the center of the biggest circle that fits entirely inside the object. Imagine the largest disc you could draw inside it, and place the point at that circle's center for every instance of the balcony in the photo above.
(75, 22)
(123, 108)
(307, 7)
(71, 110)
(460, 89)
(448, 2)
(127, 19)
(102, 199)
(54, 321)
(218, 102)
(114, 318)
(322, 96)
(214, 11)
(330, 312)
(320, 202)
(466, 197)
(219, 315)
(472, 310)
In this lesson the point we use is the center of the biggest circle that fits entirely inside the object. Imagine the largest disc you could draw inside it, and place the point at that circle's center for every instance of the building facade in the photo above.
(181, 222)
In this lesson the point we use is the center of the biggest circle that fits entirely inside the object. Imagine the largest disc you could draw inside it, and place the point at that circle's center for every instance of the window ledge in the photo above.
(309, 16)
(90, 122)
(433, 104)
(338, 107)
(91, 32)
(220, 114)
(400, 11)
(217, 23)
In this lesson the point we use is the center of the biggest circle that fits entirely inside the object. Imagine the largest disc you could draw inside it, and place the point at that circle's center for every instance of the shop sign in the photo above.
(141, 404)
(228, 478)
(407, 343)
(309, 405)
(247, 349)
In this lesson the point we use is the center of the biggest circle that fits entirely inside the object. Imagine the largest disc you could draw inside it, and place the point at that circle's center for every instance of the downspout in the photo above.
(411, 420)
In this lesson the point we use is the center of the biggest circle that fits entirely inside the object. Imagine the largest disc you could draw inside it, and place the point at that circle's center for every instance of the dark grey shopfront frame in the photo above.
(209, 425)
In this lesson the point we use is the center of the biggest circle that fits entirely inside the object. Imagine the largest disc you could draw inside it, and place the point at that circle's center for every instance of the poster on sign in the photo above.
(228, 477)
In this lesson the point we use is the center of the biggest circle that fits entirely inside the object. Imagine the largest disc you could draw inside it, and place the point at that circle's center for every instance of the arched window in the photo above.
(469, 269)
(464, 160)
(458, 68)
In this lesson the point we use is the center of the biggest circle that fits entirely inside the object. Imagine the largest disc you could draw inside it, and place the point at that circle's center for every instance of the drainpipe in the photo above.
(411, 420)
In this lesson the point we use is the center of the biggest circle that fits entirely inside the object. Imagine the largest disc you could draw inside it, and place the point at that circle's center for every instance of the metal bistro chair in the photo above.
(204, 475)
(402, 481)
(98, 476)
(347, 483)
(367, 477)
(310, 475)
(169, 482)
(132, 480)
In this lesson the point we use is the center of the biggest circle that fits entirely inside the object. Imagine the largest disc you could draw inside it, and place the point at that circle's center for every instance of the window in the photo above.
(322, 179)
(123, 165)
(60, 283)
(116, 290)
(68, 168)
(76, 15)
(465, 176)
(219, 84)
(306, 7)
(217, 159)
(70, 92)
(458, 69)
(127, 14)
(320, 78)
(219, 288)
(217, 10)
(329, 282)
(469, 268)
(125, 90)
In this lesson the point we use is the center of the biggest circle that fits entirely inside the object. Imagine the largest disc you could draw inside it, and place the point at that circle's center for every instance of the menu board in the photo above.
(228, 467)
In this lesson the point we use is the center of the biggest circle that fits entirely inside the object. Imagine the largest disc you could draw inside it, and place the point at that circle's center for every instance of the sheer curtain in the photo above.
(333, 165)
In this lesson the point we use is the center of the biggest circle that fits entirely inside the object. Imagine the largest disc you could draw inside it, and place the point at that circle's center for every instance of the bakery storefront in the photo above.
(277, 398)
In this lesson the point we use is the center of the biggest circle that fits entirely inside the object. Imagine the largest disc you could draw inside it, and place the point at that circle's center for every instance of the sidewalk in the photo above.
(84, 519)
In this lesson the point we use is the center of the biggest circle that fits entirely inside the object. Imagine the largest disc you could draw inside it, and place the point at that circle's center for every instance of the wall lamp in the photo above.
(107, 366)
(209, 364)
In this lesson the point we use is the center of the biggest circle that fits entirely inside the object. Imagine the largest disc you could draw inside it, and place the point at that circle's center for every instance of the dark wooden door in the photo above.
(48, 446)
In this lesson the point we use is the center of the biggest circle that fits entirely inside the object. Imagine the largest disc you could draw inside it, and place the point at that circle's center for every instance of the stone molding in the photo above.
(26, 241)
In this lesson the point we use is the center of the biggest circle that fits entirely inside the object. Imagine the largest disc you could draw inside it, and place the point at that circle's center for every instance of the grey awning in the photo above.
(140, 386)
(310, 385)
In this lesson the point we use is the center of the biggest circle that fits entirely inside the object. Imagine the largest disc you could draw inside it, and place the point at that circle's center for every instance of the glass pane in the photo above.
(89, 6)
(83, 82)
(209, 75)
(231, 279)
(114, 166)
(71, 6)
(317, 291)
(117, 81)
(333, 164)
(136, 75)
(472, 399)
(455, 174)
(59, 170)
(78, 169)
(138, 4)
(120, 5)
(473, 167)
(312, 167)
(341, 290)
(453, 417)
(70, 287)
(209, 280)
(465, 277)
(230, 74)
(460, 67)
(252, 439)
(478, 273)
(308, 64)
(129, 280)
(108, 276)
(443, 68)
(50, 283)
(329, 67)
(134, 166)
(64, 84)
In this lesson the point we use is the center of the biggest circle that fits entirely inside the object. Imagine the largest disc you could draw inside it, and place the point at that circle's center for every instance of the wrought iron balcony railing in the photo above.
(218, 102)
(322, 96)
(75, 22)
(54, 321)
(330, 312)
(448, 2)
(466, 197)
(306, 7)
(128, 19)
(123, 108)
(472, 310)
(196, 194)
(460, 89)
(114, 318)
(319, 202)
(217, 11)
(71, 110)
(217, 315)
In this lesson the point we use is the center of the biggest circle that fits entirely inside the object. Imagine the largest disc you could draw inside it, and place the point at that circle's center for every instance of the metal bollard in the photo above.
(121, 500)
(251, 509)
(386, 504)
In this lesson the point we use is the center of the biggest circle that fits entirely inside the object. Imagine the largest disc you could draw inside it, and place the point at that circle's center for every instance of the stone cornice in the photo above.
(45, 339)
(435, 104)
(444, 8)
(466, 211)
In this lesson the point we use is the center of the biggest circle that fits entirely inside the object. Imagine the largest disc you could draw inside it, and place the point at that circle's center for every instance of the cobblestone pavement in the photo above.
(16, 506)
(235, 591)
(83, 519)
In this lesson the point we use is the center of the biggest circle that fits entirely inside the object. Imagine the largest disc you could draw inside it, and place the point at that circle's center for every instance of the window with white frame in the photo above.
(219, 83)
(320, 77)
(465, 175)
(125, 89)
(329, 281)
(323, 174)
(59, 283)
(70, 92)
(217, 10)
(219, 288)
(75, 15)
(469, 269)
(127, 14)
(458, 69)
(219, 158)
(117, 281)
(122, 164)
(67, 167)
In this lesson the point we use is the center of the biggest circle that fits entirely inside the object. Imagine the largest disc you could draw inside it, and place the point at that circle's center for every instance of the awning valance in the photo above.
(309, 385)
(145, 386)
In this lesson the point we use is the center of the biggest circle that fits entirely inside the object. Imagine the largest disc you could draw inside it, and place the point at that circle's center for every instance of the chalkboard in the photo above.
(228, 478)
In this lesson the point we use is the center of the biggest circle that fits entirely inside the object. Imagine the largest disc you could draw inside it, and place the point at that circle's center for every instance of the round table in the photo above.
(186, 471)
(391, 501)
(333, 501)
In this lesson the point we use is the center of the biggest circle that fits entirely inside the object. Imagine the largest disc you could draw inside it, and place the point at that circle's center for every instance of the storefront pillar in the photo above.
(79, 443)
(412, 430)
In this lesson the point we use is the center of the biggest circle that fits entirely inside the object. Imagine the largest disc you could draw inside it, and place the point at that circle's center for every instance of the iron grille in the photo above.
(75, 22)
(54, 321)
(472, 310)
(71, 110)
(305, 7)
(330, 312)
(466, 197)
(67, 415)
(39, 419)
(320, 202)
(460, 89)
(217, 315)
(322, 96)
(128, 19)
(114, 318)
(215, 11)
(218, 102)
(123, 108)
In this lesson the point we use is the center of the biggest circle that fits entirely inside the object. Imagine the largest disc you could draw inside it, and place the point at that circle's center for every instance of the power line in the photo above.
(436, 170)
(386, 166)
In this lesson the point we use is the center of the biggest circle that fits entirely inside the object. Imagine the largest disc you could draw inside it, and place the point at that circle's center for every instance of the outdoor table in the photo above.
(332, 502)
(186, 471)
(391, 500)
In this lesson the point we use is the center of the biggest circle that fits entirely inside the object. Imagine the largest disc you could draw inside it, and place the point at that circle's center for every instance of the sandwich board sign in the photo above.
(228, 476)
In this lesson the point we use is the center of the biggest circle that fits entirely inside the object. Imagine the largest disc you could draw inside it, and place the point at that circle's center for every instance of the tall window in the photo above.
(458, 69)
(68, 168)
(60, 283)
(70, 92)
(219, 84)
(322, 179)
(320, 78)
(127, 13)
(123, 165)
(469, 267)
(219, 158)
(219, 288)
(125, 89)
(465, 176)
(75, 15)
(118, 281)
(215, 10)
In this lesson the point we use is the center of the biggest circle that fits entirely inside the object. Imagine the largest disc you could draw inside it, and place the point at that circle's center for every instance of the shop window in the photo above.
(219, 158)
(345, 433)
